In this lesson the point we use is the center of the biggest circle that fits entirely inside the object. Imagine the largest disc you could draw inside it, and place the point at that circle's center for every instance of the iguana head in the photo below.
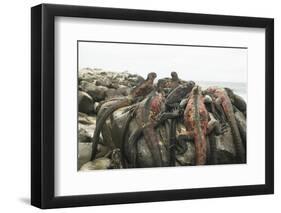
(196, 90)
(174, 75)
(151, 76)
(189, 85)
(230, 94)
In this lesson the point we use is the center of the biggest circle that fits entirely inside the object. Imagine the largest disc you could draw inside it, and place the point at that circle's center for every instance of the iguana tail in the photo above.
(152, 140)
(172, 143)
(132, 142)
(241, 153)
(124, 139)
(101, 121)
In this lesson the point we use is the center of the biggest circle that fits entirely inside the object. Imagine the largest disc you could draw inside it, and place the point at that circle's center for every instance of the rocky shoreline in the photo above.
(96, 87)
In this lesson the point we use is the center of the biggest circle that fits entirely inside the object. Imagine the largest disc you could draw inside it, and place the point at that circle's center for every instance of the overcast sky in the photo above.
(191, 63)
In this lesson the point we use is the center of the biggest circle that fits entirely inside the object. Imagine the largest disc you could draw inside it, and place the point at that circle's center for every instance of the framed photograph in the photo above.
(140, 106)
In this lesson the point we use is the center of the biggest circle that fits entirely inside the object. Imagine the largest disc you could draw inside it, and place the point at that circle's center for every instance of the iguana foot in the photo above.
(224, 128)
(162, 117)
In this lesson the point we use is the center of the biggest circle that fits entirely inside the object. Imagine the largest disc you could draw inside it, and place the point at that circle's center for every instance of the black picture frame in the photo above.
(43, 102)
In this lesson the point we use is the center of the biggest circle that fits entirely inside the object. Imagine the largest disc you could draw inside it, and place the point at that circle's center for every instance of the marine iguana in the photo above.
(175, 80)
(172, 111)
(146, 117)
(222, 98)
(196, 123)
(167, 84)
(137, 93)
(179, 93)
(172, 101)
(237, 101)
(214, 124)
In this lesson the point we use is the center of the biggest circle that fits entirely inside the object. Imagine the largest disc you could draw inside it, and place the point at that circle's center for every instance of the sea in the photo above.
(239, 88)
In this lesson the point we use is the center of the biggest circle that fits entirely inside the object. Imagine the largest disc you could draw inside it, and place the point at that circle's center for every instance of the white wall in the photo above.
(15, 105)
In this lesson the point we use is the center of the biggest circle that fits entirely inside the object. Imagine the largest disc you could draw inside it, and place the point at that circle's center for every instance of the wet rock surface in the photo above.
(100, 89)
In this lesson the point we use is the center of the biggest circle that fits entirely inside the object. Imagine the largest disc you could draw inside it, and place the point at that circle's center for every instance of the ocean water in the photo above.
(239, 88)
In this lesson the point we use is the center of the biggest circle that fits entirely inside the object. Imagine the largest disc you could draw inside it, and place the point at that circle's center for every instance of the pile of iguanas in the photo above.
(204, 113)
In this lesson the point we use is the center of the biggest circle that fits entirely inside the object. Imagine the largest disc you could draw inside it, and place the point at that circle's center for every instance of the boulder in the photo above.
(85, 132)
(225, 150)
(240, 103)
(103, 82)
(114, 85)
(84, 153)
(123, 90)
(114, 93)
(97, 164)
(86, 119)
(85, 102)
(188, 157)
(96, 92)
(86, 74)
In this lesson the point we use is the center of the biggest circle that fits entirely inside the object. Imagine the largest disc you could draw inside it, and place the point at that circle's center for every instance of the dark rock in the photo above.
(85, 132)
(123, 90)
(103, 82)
(96, 92)
(104, 73)
(188, 157)
(85, 102)
(110, 93)
(225, 150)
(240, 103)
(113, 93)
(242, 125)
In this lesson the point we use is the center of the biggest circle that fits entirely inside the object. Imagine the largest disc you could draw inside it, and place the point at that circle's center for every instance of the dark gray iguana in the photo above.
(172, 107)
(237, 101)
(165, 85)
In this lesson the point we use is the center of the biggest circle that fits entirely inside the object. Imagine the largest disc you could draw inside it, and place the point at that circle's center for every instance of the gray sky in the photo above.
(191, 63)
